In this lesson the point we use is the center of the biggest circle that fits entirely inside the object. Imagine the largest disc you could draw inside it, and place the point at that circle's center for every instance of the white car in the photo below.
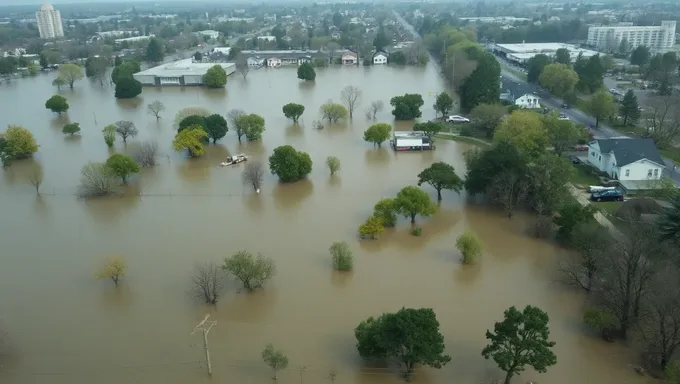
(457, 119)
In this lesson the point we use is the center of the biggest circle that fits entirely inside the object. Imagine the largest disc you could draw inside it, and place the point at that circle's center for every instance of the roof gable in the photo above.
(628, 151)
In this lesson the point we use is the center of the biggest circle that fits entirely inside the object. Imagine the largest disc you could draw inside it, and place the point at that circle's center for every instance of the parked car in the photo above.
(607, 195)
(580, 147)
(574, 159)
(562, 116)
(456, 119)
(566, 106)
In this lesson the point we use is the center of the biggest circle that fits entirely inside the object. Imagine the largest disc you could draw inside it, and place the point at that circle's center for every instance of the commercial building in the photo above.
(49, 22)
(658, 38)
(181, 72)
(520, 53)
(410, 141)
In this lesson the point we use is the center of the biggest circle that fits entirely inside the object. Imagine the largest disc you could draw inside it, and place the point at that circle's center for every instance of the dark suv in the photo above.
(609, 195)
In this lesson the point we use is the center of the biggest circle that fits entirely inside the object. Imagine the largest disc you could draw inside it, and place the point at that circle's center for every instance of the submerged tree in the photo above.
(114, 268)
(207, 282)
(441, 176)
(253, 174)
(253, 271)
(275, 359)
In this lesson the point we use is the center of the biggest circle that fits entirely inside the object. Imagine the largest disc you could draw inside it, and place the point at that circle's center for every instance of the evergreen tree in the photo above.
(154, 51)
(629, 109)
(483, 85)
(535, 67)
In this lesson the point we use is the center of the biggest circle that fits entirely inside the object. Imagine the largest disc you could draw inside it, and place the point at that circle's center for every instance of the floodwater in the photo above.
(68, 328)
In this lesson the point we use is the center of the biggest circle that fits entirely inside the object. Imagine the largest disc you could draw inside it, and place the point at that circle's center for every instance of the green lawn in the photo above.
(608, 208)
(584, 176)
(465, 139)
(673, 154)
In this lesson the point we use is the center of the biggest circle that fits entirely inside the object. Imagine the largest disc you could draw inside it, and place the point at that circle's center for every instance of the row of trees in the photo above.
(562, 79)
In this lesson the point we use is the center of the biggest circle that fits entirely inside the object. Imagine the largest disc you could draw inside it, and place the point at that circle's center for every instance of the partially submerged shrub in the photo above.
(341, 256)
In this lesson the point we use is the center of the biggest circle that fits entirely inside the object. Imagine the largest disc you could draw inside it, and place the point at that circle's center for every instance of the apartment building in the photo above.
(49, 22)
(657, 38)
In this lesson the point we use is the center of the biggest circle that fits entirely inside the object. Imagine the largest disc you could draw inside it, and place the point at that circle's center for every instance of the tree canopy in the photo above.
(191, 139)
(333, 111)
(483, 84)
(629, 109)
(487, 117)
(441, 176)
(215, 77)
(124, 69)
(558, 79)
(293, 111)
(71, 128)
(377, 133)
(215, 127)
(525, 130)
(443, 104)
(289, 164)
(155, 51)
(412, 201)
(70, 73)
(127, 88)
(122, 166)
(306, 72)
(57, 104)
(407, 107)
(410, 336)
(252, 125)
(601, 105)
(535, 67)
(19, 142)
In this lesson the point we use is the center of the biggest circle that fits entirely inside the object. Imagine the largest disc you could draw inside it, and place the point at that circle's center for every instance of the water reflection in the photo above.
(254, 202)
(335, 181)
(290, 195)
(377, 156)
(294, 130)
(215, 94)
(59, 121)
(439, 224)
(340, 278)
(117, 298)
(108, 210)
(466, 275)
(249, 307)
(40, 206)
(72, 139)
(129, 104)
(195, 170)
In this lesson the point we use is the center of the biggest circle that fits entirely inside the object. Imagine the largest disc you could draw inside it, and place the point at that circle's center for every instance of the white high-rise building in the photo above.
(657, 38)
(49, 22)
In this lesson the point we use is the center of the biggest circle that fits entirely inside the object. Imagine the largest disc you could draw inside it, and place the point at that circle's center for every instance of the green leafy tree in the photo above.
(484, 166)
(483, 84)
(306, 72)
(410, 336)
(154, 51)
(558, 79)
(341, 256)
(624, 47)
(443, 104)
(380, 41)
(398, 58)
(275, 359)
(441, 176)
(601, 105)
(590, 73)
(215, 127)
(487, 117)
(109, 135)
(19, 142)
(43, 61)
(640, 57)
(253, 271)
(191, 139)
(289, 164)
(333, 164)
(562, 134)
(629, 109)
(71, 128)
(127, 88)
(521, 340)
(377, 133)
(58, 82)
(386, 212)
(669, 222)
(293, 111)
(124, 70)
(122, 166)
(333, 111)
(70, 73)
(215, 77)
(562, 56)
(371, 228)
(412, 201)
(190, 121)
(252, 125)
(535, 67)
(407, 107)
(601, 320)
(95, 67)
(526, 131)
(469, 245)
(571, 215)
(429, 128)
(608, 62)
(57, 104)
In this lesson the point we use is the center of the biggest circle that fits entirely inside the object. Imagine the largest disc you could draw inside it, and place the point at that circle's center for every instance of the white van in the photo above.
(598, 188)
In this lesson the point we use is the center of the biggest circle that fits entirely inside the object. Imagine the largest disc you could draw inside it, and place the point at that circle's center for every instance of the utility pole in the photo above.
(206, 326)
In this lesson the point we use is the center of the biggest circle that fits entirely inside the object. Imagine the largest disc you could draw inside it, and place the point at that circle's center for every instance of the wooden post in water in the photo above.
(206, 326)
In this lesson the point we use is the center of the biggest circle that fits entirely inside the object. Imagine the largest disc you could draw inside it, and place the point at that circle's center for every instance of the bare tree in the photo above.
(155, 108)
(590, 240)
(242, 66)
(208, 282)
(253, 174)
(664, 119)
(628, 269)
(35, 177)
(376, 106)
(233, 120)
(145, 155)
(126, 129)
(661, 328)
(97, 180)
(509, 189)
(351, 96)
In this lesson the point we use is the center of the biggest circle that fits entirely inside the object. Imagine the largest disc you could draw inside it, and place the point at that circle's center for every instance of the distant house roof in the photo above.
(349, 54)
(628, 151)
(382, 53)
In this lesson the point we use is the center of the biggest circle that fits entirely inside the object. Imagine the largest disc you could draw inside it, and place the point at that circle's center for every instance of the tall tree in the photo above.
(381, 40)
(483, 84)
(216, 127)
(640, 57)
(629, 109)
(661, 327)
(559, 79)
(535, 67)
(412, 201)
(155, 51)
(441, 176)
(590, 72)
(215, 77)
(443, 104)
(487, 117)
(562, 56)
(669, 222)
(624, 46)
(562, 134)
(407, 107)
(289, 164)
(410, 336)
(351, 96)
(122, 166)
(521, 340)
(377, 133)
(601, 105)
(306, 72)
(526, 131)
(70, 73)
(483, 166)
(293, 111)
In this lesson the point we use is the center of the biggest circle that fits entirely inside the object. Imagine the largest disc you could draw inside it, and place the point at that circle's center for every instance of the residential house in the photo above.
(380, 58)
(506, 97)
(528, 100)
(627, 160)
(255, 61)
(273, 62)
(349, 58)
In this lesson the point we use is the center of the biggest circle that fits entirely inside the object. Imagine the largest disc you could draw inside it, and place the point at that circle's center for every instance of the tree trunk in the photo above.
(597, 122)
(439, 194)
(379, 145)
(124, 179)
(115, 280)
(413, 218)
(508, 377)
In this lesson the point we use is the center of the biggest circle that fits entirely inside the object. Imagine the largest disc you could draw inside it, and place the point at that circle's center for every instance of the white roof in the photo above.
(536, 47)
(406, 134)
(181, 68)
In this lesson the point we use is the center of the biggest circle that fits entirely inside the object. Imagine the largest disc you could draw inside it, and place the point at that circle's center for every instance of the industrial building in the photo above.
(49, 22)
(181, 72)
(520, 53)
(658, 38)
(410, 141)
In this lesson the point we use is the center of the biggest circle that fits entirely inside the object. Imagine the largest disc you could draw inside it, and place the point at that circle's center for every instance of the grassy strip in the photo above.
(465, 139)
(673, 154)
(583, 176)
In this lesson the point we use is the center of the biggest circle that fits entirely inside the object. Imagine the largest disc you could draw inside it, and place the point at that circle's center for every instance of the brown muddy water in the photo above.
(68, 328)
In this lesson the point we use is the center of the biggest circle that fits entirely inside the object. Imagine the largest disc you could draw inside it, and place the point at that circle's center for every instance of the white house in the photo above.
(379, 58)
(349, 58)
(626, 159)
(255, 61)
(273, 62)
(209, 33)
(528, 100)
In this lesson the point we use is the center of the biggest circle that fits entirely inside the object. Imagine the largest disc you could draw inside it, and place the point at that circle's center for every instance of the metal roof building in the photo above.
(181, 72)
(522, 52)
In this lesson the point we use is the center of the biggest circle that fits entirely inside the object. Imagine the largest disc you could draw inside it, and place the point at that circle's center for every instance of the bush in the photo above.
(417, 231)
(127, 88)
(19, 142)
(467, 130)
(341, 256)
(96, 180)
(252, 271)
(215, 77)
(469, 246)
(70, 129)
(601, 320)
(57, 104)
(290, 165)
(333, 164)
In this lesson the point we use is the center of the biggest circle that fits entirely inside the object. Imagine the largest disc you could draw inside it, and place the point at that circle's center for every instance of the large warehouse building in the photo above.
(520, 53)
(181, 72)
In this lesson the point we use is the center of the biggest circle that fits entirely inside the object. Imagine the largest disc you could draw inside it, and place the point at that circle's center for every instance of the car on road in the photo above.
(562, 116)
(607, 195)
(456, 119)
(580, 147)
(566, 106)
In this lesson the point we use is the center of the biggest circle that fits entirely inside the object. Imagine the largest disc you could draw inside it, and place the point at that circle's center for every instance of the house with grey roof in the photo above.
(627, 160)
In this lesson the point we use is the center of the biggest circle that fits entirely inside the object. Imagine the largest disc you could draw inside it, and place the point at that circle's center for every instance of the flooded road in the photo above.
(68, 328)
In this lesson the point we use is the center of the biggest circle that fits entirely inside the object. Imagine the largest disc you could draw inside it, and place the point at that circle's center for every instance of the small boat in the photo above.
(231, 160)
